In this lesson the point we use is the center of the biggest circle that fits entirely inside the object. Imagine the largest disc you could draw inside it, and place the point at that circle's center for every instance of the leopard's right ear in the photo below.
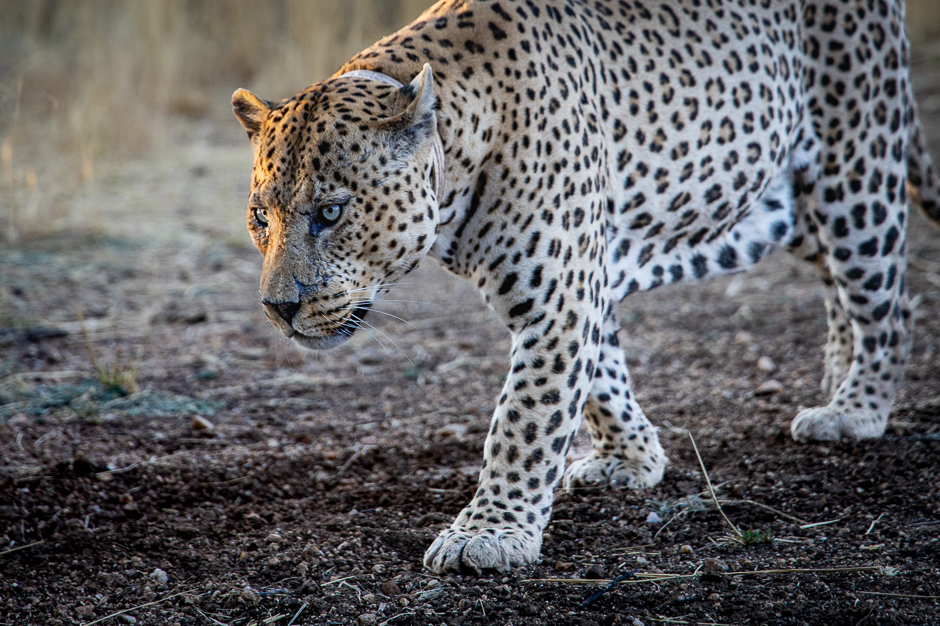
(250, 110)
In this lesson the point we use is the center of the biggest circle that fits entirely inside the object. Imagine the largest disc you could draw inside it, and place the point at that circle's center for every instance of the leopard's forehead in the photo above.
(311, 143)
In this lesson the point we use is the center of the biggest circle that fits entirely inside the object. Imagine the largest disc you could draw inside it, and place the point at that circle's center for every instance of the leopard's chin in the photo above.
(340, 335)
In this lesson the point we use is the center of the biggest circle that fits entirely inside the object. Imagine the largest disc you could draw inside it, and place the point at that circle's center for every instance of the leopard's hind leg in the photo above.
(858, 248)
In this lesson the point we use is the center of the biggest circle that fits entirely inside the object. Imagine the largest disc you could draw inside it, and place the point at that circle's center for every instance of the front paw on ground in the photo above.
(495, 549)
(595, 472)
(828, 423)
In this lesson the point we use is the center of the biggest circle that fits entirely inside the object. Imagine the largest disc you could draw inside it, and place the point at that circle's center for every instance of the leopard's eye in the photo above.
(331, 213)
(260, 216)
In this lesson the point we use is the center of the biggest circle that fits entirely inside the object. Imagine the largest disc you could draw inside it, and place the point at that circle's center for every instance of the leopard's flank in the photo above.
(565, 154)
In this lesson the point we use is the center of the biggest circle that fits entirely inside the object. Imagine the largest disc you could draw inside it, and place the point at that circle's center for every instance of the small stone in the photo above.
(391, 588)
(378, 568)
(653, 518)
(766, 364)
(367, 619)
(596, 572)
(743, 338)
(714, 566)
(714, 597)
(642, 560)
(368, 598)
(637, 622)
(159, 576)
(770, 387)
(128, 619)
(452, 431)
(685, 549)
(200, 423)
(85, 610)
(563, 566)
(273, 538)
(404, 601)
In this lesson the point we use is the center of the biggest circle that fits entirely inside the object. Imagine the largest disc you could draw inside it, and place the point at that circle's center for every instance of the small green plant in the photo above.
(117, 378)
(757, 537)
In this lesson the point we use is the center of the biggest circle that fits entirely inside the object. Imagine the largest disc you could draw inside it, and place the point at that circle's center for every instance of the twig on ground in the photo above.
(659, 577)
(349, 462)
(872, 527)
(911, 596)
(606, 589)
(297, 614)
(18, 548)
(814, 525)
(133, 608)
(711, 489)
(768, 508)
(333, 582)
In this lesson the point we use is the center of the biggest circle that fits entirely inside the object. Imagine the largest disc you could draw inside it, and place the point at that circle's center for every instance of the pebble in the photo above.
(563, 566)
(378, 568)
(200, 423)
(128, 619)
(159, 576)
(455, 431)
(368, 598)
(770, 387)
(766, 364)
(653, 518)
(85, 610)
(391, 588)
(713, 566)
(596, 572)
(273, 538)
(685, 549)
(367, 619)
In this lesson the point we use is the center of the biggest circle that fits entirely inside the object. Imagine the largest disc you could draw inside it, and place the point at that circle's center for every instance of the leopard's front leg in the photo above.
(554, 353)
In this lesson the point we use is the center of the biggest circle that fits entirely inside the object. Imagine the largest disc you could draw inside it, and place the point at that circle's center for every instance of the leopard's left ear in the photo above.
(418, 121)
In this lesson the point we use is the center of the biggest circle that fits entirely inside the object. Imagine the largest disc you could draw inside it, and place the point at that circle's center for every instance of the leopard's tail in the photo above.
(922, 184)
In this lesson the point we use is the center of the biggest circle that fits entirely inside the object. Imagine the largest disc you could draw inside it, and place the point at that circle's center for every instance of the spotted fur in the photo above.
(593, 150)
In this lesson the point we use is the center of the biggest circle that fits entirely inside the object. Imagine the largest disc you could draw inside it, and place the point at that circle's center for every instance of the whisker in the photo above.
(362, 321)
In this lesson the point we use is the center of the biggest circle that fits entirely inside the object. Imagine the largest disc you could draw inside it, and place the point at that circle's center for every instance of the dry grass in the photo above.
(85, 83)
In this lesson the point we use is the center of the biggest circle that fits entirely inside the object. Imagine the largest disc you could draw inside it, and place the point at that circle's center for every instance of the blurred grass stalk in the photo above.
(84, 83)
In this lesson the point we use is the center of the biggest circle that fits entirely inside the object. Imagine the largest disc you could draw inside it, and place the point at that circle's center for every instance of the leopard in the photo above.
(565, 154)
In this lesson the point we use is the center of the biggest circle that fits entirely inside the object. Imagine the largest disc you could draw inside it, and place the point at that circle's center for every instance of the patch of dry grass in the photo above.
(87, 83)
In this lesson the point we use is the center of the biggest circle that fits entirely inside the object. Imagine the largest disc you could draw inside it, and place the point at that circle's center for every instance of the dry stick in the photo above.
(769, 508)
(28, 545)
(872, 527)
(134, 608)
(899, 595)
(712, 489)
(297, 614)
(657, 577)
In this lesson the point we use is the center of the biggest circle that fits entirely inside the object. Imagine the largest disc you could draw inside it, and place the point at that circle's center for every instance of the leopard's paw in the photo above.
(596, 472)
(828, 423)
(499, 549)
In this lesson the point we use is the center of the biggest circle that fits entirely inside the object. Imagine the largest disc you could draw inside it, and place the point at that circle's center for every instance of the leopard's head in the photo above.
(342, 202)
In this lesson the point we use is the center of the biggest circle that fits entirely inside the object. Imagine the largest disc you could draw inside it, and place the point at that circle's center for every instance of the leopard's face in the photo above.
(341, 202)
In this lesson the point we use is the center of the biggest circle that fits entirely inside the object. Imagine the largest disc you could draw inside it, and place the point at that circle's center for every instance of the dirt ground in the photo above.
(221, 476)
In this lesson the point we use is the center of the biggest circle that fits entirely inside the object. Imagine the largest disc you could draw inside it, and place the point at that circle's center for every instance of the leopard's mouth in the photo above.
(336, 334)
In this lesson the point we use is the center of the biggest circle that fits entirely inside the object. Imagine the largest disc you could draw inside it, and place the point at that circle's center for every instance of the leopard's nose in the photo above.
(287, 310)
